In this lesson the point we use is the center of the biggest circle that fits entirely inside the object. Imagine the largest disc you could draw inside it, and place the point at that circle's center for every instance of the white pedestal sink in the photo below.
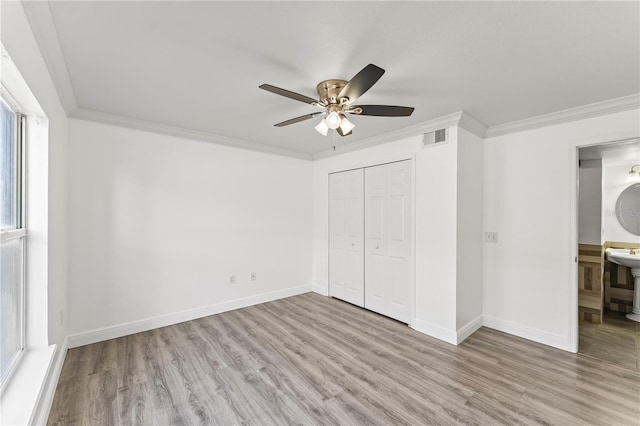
(625, 258)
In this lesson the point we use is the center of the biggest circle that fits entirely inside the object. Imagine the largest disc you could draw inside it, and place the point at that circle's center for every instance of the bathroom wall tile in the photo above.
(590, 301)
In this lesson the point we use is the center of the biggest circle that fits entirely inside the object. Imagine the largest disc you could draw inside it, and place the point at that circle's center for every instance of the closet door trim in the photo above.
(375, 161)
(379, 162)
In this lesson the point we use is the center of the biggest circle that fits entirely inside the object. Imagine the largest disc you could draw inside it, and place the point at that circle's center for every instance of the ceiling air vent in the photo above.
(434, 138)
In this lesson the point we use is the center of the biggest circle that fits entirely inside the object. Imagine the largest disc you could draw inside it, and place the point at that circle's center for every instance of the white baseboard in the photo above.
(544, 337)
(45, 398)
(436, 331)
(468, 329)
(320, 289)
(112, 332)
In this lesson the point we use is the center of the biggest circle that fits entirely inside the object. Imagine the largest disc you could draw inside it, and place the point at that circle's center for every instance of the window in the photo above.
(12, 235)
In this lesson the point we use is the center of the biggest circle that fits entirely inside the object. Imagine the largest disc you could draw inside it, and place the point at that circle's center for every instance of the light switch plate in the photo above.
(490, 237)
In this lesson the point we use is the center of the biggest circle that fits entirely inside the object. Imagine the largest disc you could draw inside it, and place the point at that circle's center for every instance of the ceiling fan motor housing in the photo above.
(329, 90)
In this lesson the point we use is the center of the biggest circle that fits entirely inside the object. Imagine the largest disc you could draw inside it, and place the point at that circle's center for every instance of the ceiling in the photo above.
(198, 65)
(624, 151)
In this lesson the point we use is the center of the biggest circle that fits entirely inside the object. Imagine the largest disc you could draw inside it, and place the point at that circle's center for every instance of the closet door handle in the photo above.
(377, 247)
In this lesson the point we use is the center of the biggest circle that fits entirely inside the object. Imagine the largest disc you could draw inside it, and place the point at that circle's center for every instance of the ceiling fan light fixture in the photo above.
(633, 176)
(336, 97)
(322, 127)
(346, 126)
(333, 120)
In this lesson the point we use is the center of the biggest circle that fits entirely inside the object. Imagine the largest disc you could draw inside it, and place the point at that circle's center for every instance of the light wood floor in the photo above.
(309, 359)
(616, 340)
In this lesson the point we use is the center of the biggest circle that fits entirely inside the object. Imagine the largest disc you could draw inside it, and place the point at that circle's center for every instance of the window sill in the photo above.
(22, 392)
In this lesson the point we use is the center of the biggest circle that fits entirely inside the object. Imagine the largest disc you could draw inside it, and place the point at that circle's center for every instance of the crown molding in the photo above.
(149, 126)
(460, 118)
(40, 19)
(472, 125)
(450, 120)
(44, 30)
(610, 106)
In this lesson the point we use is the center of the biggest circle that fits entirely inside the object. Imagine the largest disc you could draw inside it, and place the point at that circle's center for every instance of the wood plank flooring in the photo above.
(309, 359)
(616, 340)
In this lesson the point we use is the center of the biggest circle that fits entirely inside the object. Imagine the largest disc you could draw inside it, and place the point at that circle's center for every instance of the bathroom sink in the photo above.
(624, 257)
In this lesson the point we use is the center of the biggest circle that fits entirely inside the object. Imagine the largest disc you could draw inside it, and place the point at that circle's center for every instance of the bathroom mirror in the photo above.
(628, 209)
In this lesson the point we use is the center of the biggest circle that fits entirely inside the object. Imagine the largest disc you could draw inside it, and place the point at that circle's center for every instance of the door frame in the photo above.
(574, 148)
(379, 161)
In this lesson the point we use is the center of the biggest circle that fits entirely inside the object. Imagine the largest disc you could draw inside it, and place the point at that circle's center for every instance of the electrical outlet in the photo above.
(61, 318)
(232, 279)
(490, 237)
(253, 276)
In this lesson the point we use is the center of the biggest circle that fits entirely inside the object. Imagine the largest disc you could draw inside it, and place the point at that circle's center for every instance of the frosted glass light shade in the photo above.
(346, 126)
(333, 120)
(322, 127)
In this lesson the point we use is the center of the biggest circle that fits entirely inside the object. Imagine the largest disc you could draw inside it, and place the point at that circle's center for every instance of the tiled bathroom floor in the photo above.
(616, 340)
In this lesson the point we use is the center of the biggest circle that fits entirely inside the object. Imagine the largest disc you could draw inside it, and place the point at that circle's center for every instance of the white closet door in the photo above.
(388, 239)
(346, 239)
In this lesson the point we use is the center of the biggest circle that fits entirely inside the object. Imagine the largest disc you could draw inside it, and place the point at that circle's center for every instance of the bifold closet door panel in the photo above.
(375, 194)
(346, 236)
(388, 239)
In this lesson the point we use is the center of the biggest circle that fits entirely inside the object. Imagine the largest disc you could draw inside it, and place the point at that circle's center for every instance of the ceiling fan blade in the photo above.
(298, 119)
(382, 110)
(288, 94)
(361, 82)
(339, 130)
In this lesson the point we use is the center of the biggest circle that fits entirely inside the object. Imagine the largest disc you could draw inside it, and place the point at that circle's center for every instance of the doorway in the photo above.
(605, 289)
(370, 238)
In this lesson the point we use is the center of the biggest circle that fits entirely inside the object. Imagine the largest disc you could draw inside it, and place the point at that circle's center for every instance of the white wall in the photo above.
(379, 154)
(469, 235)
(615, 170)
(29, 393)
(436, 221)
(590, 202)
(436, 224)
(158, 224)
(529, 277)
(50, 242)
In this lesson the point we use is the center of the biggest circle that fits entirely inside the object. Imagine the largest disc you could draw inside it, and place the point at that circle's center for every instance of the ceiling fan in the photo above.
(336, 100)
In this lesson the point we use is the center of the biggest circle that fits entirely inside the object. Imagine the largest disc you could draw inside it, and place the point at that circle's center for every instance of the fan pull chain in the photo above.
(333, 136)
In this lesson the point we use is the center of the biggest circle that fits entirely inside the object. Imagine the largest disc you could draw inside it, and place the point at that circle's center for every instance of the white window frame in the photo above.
(21, 223)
